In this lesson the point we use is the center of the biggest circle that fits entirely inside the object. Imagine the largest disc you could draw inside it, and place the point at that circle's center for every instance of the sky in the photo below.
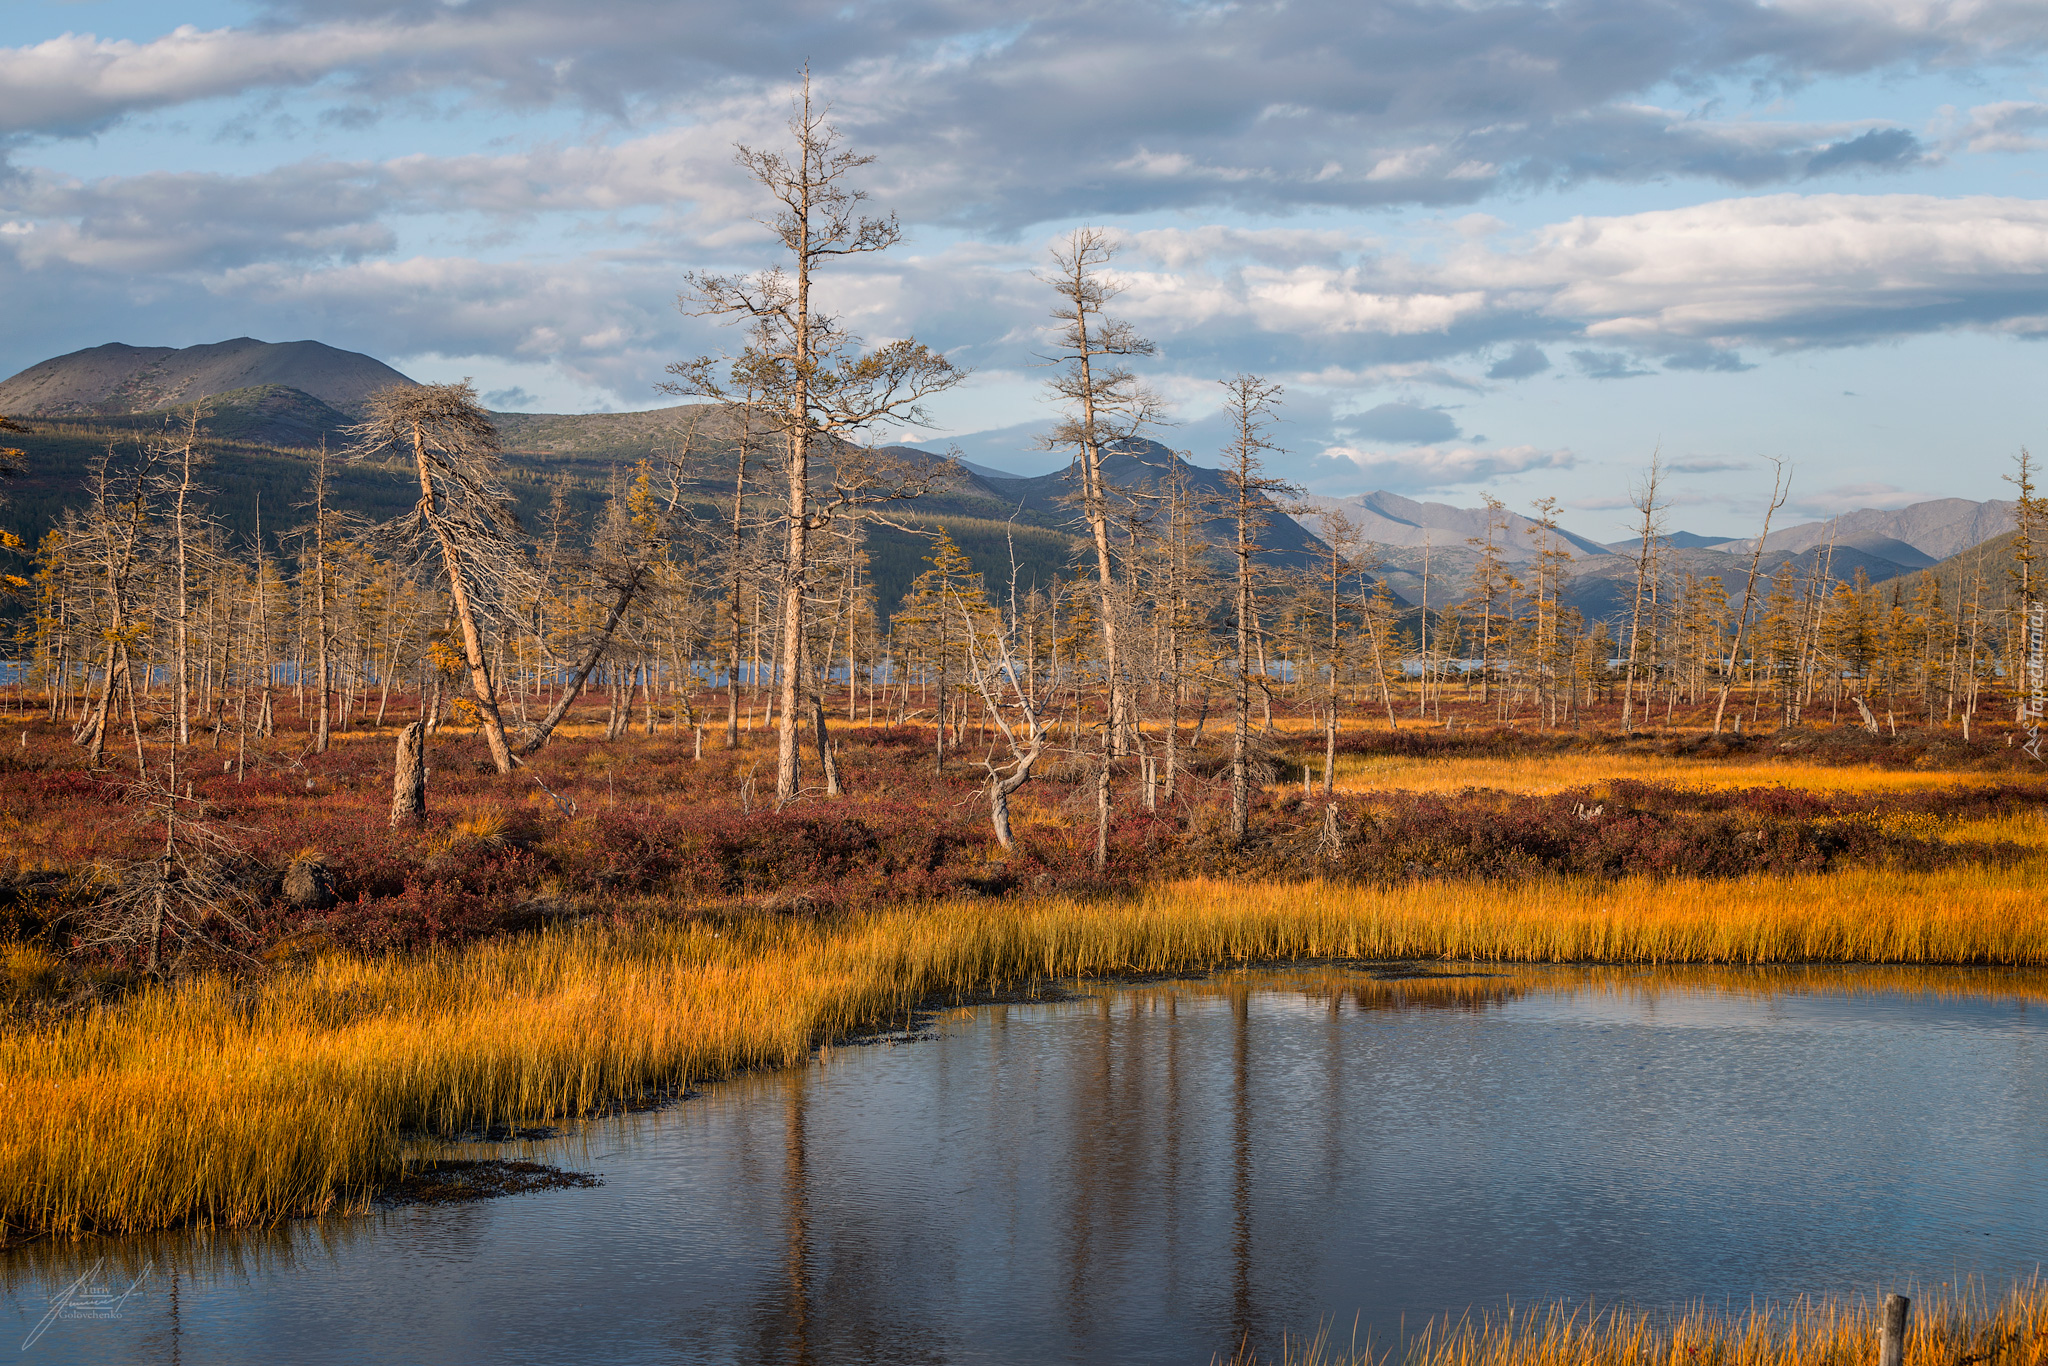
(1484, 245)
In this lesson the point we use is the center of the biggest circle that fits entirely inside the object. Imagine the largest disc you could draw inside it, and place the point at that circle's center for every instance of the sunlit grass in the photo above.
(244, 1103)
(1550, 773)
(1952, 1326)
(1954, 915)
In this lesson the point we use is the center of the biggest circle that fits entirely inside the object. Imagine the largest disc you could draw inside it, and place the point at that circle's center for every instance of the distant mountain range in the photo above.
(1388, 519)
(1141, 467)
(270, 399)
(1917, 535)
(1880, 544)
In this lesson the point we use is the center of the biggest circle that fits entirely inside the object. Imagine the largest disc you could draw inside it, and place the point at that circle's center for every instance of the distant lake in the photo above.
(1154, 1172)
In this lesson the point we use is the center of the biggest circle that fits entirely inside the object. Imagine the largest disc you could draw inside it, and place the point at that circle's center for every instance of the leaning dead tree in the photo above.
(1779, 489)
(624, 563)
(441, 437)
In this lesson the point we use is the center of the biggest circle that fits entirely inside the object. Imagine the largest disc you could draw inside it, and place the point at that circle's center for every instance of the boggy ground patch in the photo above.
(457, 1180)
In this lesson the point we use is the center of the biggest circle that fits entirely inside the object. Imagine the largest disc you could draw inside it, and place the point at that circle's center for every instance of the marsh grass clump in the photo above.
(1955, 1325)
(28, 972)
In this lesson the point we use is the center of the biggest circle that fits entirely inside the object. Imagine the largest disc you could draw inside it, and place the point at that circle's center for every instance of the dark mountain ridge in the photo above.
(118, 379)
(263, 414)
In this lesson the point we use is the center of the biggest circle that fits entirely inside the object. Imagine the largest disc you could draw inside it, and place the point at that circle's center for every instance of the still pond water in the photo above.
(1154, 1172)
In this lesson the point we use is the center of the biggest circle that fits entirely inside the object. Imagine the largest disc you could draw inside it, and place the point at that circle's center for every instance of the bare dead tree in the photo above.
(183, 447)
(314, 536)
(1105, 404)
(736, 568)
(1340, 535)
(822, 390)
(1003, 683)
(1645, 500)
(176, 899)
(624, 561)
(1249, 402)
(445, 441)
(1489, 581)
(113, 538)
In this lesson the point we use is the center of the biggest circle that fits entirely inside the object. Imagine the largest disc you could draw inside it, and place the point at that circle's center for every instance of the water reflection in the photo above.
(1158, 1172)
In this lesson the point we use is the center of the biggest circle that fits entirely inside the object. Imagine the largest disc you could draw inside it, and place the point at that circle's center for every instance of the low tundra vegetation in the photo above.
(615, 829)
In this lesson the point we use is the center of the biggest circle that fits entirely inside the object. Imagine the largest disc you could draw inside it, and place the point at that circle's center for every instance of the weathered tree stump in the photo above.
(409, 783)
(308, 884)
(1891, 1341)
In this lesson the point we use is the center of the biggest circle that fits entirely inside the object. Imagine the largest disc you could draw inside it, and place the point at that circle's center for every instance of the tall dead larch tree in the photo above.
(1650, 531)
(114, 539)
(1105, 404)
(314, 536)
(821, 390)
(1248, 404)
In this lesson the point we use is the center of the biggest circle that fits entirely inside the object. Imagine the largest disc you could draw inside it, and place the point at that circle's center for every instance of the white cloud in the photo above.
(602, 329)
(79, 82)
(1036, 111)
(1785, 269)
(1430, 468)
(1685, 285)
(2007, 126)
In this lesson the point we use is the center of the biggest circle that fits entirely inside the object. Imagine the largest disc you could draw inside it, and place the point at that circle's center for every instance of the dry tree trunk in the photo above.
(472, 642)
(322, 717)
(1102, 813)
(1748, 588)
(409, 782)
(184, 728)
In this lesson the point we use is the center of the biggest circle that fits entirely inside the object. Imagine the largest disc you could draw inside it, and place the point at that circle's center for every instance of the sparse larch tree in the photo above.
(1104, 404)
(1645, 500)
(1248, 403)
(816, 383)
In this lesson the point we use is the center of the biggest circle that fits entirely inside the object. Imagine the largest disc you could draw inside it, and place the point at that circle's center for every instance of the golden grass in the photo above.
(238, 1104)
(1953, 1326)
(1551, 773)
